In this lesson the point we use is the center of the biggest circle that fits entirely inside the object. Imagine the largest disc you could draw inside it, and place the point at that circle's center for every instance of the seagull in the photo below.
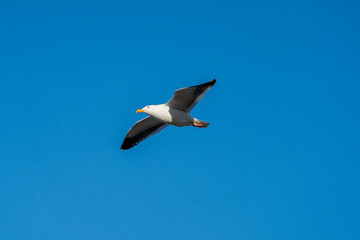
(175, 112)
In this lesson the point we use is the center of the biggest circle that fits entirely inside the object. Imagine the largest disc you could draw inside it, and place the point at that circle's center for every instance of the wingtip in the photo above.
(124, 147)
(212, 82)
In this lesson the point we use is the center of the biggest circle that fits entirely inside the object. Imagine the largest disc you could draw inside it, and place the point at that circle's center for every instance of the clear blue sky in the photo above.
(280, 159)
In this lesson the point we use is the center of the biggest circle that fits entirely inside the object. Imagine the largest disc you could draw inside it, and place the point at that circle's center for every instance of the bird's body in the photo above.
(171, 116)
(175, 112)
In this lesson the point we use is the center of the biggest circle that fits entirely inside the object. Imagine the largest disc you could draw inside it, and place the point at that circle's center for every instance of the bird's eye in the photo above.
(147, 107)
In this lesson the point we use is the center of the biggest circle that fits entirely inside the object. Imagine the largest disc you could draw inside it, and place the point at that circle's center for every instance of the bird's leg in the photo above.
(200, 125)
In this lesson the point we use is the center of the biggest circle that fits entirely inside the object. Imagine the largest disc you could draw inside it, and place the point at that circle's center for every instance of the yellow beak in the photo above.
(139, 111)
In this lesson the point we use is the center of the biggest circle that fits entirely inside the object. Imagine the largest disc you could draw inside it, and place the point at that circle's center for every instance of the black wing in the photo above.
(142, 130)
(185, 99)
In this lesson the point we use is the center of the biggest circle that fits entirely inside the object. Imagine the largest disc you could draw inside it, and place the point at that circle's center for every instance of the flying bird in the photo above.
(175, 112)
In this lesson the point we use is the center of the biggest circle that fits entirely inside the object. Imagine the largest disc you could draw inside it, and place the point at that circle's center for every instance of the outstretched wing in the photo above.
(141, 130)
(185, 99)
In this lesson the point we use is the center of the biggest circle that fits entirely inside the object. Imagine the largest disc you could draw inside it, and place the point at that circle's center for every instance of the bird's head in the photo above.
(145, 109)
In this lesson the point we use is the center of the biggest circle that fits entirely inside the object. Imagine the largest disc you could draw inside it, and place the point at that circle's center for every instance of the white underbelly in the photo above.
(174, 117)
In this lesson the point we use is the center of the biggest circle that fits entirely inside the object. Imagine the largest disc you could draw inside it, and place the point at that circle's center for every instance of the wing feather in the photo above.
(185, 99)
(141, 130)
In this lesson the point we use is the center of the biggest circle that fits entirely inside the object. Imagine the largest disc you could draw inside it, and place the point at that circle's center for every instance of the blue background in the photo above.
(280, 159)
